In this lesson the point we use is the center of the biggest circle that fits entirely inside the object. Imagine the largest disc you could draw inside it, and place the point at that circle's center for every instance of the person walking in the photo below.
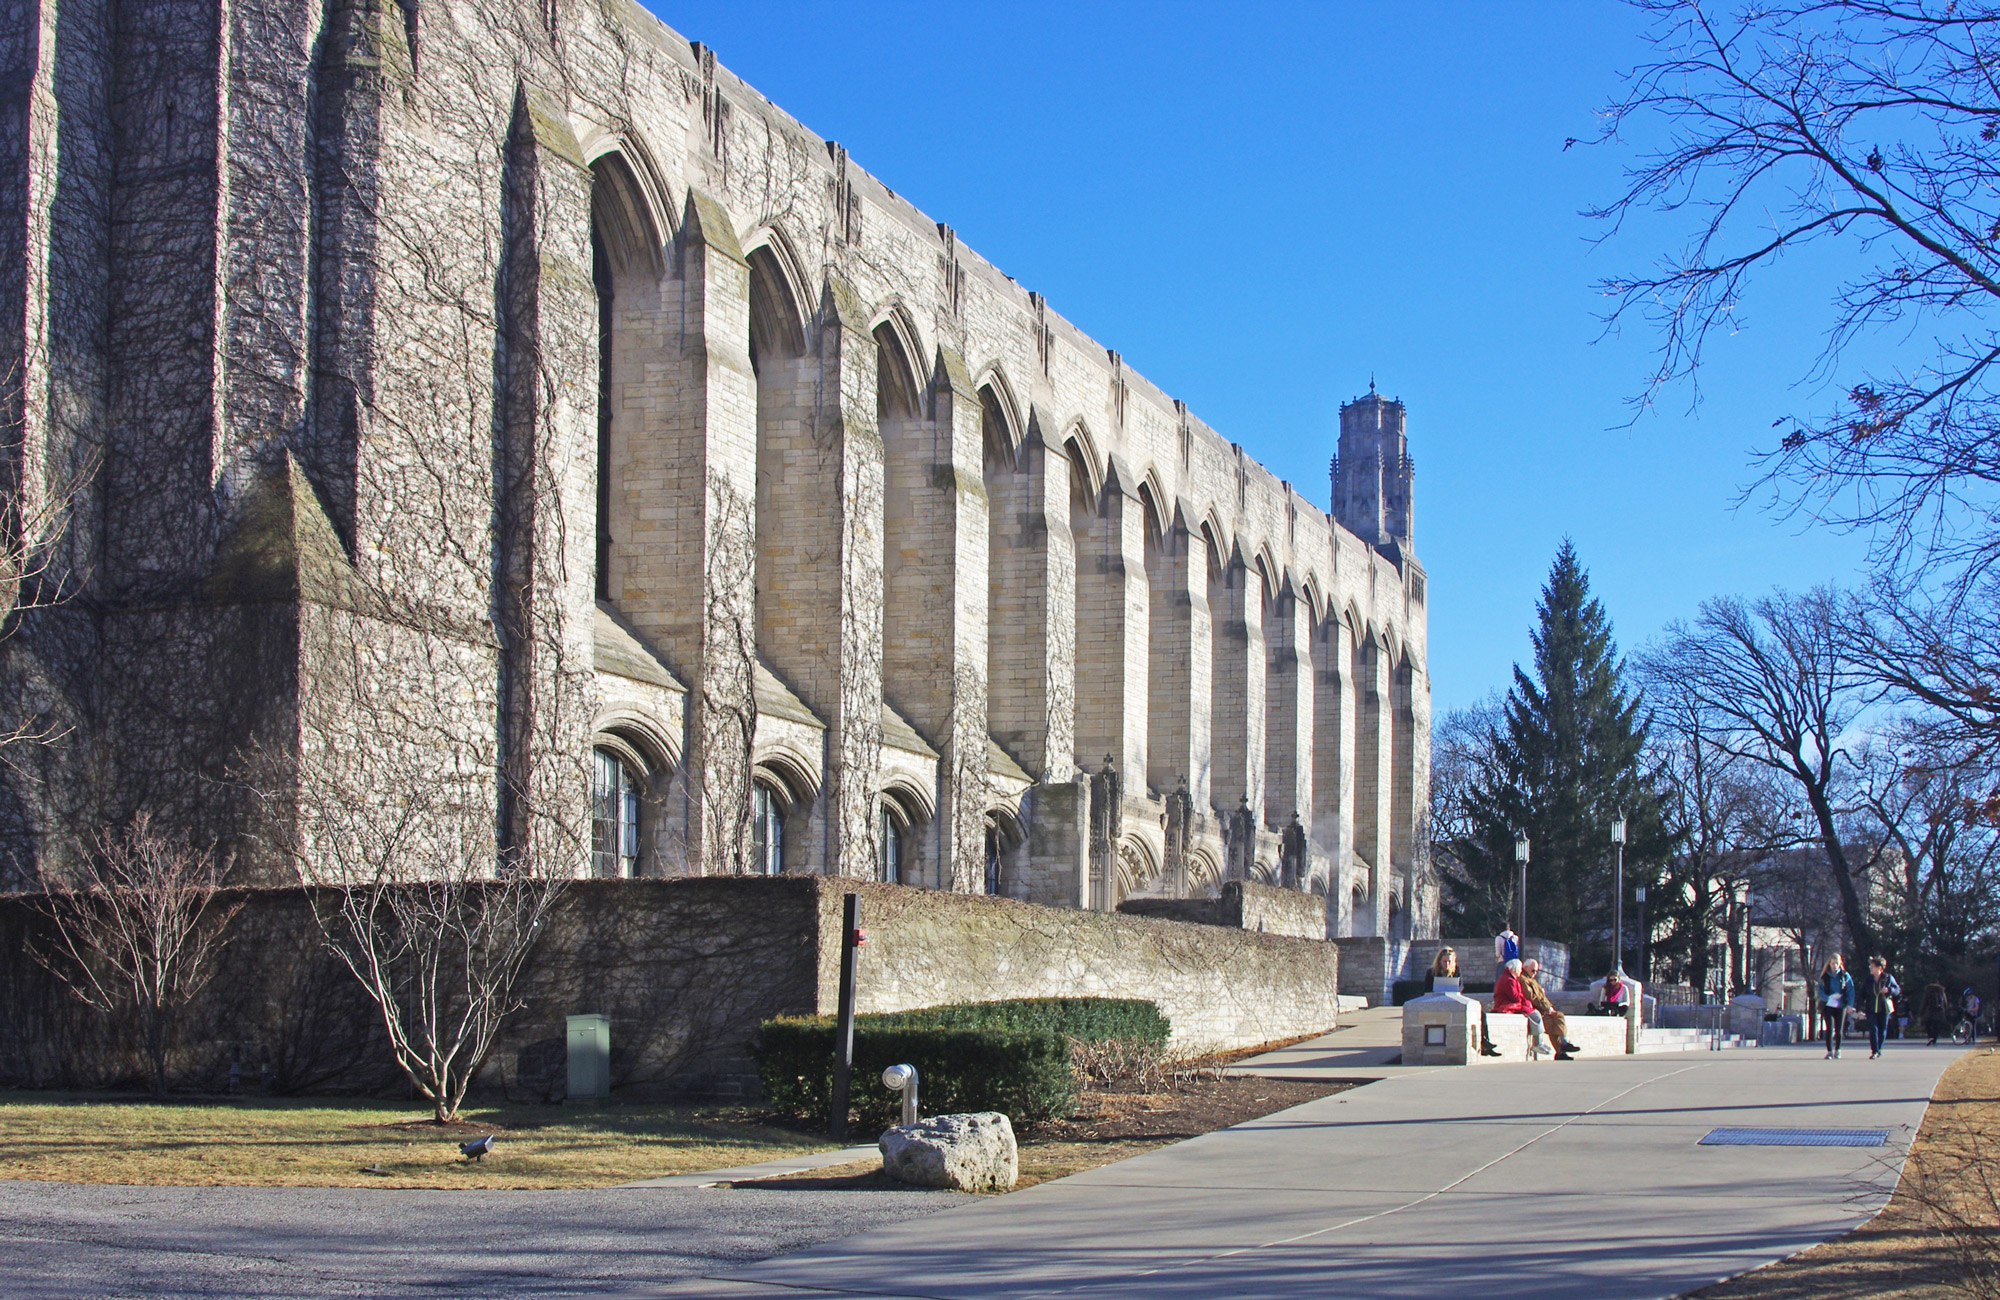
(1836, 995)
(1931, 1011)
(1876, 995)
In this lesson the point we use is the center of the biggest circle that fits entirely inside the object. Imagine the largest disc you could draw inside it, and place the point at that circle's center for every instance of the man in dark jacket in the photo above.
(1876, 993)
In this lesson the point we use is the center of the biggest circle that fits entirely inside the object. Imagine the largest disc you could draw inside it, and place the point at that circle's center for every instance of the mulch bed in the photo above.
(1109, 1125)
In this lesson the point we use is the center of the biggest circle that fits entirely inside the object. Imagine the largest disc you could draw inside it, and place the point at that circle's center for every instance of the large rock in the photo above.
(971, 1153)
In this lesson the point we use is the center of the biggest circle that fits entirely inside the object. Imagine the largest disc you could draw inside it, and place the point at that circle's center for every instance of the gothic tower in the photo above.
(1372, 473)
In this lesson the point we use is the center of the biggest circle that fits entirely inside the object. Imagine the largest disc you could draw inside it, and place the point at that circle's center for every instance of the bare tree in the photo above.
(137, 929)
(1770, 681)
(1939, 653)
(1871, 124)
(1463, 758)
(1934, 853)
(1716, 801)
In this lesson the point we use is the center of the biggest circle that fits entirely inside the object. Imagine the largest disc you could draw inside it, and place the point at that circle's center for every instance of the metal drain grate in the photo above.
(1795, 1137)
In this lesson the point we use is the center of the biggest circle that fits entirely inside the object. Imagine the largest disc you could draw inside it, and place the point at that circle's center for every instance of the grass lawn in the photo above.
(323, 1142)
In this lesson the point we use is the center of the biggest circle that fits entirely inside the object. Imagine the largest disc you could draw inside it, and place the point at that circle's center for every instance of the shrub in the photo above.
(1086, 1019)
(1013, 1056)
(1023, 1073)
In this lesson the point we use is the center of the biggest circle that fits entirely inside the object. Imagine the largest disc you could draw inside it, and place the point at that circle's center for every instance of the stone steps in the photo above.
(1687, 1040)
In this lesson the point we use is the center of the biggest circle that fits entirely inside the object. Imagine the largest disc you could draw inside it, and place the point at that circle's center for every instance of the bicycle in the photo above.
(1964, 1032)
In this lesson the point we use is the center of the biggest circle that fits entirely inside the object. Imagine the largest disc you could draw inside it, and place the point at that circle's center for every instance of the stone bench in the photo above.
(1443, 1029)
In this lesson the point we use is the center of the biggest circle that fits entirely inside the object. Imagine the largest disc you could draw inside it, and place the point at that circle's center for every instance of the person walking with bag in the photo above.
(1932, 1012)
(1836, 995)
(1876, 995)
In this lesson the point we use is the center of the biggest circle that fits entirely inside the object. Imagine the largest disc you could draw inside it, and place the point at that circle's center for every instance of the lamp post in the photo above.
(1645, 936)
(1521, 882)
(1618, 898)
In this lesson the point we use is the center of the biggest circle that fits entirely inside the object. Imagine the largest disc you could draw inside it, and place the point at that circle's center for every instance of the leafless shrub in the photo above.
(138, 931)
(1112, 1062)
(1954, 1185)
(1141, 1065)
(1194, 1065)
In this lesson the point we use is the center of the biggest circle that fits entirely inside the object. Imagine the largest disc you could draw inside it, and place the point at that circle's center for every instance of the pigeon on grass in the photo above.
(477, 1147)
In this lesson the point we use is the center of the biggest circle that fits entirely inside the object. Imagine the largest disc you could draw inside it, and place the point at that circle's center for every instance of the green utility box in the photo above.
(589, 1057)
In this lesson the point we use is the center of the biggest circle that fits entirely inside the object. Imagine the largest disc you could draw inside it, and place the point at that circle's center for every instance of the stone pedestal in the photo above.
(1440, 1029)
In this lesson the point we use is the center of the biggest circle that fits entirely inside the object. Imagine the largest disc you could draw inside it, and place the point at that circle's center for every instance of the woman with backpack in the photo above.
(1876, 997)
(1835, 996)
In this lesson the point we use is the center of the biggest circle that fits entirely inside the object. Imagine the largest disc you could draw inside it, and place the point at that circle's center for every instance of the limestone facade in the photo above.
(508, 389)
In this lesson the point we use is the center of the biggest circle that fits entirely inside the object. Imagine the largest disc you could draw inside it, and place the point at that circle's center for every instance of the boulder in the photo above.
(969, 1153)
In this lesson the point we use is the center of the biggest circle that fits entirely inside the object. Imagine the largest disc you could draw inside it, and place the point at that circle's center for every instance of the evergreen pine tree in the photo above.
(1570, 757)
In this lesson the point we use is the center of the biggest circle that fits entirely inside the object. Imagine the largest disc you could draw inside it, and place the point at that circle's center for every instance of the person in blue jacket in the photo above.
(1836, 995)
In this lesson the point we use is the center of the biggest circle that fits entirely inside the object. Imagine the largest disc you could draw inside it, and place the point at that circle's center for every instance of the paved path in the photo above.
(1575, 1180)
(64, 1242)
(1368, 1045)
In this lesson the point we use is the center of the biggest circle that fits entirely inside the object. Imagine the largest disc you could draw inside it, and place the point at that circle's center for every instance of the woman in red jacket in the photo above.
(1509, 998)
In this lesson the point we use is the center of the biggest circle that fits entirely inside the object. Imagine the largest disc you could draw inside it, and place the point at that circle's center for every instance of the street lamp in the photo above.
(1645, 936)
(1521, 887)
(1618, 899)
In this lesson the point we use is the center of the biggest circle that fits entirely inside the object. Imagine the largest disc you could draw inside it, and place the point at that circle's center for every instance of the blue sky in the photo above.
(1261, 206)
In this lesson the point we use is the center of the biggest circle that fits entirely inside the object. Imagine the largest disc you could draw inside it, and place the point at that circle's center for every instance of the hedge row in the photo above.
(1009, 1056)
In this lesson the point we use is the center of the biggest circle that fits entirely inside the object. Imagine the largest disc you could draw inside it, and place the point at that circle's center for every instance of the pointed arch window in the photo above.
(894, 838)
(767, 829)
(615, 793)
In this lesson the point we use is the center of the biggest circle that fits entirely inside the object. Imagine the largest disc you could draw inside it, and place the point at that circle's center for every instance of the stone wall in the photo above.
(1244, 905)
(1475, 959)
(1370, 966)
(1221, 987)
(686, 969)
(874, 526)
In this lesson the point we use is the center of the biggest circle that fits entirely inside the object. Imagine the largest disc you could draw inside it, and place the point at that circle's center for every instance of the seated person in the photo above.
(1617, 996)
(1445, 967)
(1558, 1027)
(1509, 998)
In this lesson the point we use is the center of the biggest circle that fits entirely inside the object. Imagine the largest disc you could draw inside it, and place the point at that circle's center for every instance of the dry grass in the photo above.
(1900, 1254)
(320, 1142)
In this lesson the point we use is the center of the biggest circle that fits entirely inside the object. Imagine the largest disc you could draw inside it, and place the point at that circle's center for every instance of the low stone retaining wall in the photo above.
(685, 969)
(1243, 905)
(1475, 959)
(1221, 987)
(1370, 966)
(1593, 1036)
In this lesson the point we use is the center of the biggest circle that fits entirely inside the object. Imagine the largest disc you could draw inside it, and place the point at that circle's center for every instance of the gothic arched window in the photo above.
(767, 829)
(892, 836)
(615, 790)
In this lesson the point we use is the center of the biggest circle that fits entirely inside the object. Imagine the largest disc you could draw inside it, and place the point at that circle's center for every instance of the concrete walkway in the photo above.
(1578, 1180)
(1367, 1045)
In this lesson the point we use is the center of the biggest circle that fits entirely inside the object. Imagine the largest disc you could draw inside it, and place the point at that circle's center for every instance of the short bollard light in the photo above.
(903, 1079)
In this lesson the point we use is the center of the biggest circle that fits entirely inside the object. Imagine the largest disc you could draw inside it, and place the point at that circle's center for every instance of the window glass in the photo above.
(892, 848)
(767, 831)
(614, 815)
